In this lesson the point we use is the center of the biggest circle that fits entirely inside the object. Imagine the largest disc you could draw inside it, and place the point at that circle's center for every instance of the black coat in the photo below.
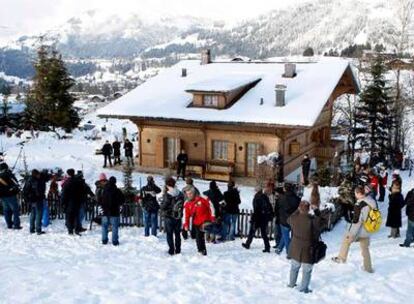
(107, 149)
(262, 209)
(396, 203)
(173, 205)
(149, 199)
(11, 186)
(232, 199)
(215, 196)
(128, 147)
(116, 145)
(409, 202)
(72, 194)
(112, 200)
(182, 159)
(34, 190)
(287, 203)
(306, 166)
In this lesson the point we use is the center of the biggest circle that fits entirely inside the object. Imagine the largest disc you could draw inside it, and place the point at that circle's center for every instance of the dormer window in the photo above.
(210, 100)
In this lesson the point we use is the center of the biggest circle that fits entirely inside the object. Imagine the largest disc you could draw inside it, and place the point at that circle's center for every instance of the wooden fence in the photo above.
(132, 215)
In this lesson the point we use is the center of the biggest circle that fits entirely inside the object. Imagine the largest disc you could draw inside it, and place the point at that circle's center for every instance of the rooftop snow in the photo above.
(223, 83)
(165, 96)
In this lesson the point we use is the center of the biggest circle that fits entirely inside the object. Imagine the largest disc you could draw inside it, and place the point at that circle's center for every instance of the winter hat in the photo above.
(112, 180)
(102, 177)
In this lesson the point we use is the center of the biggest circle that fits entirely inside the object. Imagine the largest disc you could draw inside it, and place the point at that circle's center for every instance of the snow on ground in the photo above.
(57, 268)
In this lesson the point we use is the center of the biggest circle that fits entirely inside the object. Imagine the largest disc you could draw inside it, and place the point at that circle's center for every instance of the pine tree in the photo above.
(49, 103)
(373, 116)
(129, 190)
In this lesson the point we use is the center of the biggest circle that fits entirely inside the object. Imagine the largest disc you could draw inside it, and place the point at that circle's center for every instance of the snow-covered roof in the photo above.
(223, 83)
(164, 96)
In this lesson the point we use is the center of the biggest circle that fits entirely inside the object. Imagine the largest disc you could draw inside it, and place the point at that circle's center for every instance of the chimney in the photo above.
(290, 70)
(183, 72)
(280, 90)
(206, 57)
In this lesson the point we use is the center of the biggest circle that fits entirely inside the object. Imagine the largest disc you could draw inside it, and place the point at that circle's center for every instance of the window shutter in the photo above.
(231, 152)
(160, 148)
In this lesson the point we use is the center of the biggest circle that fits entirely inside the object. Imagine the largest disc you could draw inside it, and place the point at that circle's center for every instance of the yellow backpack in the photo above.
(373, 221)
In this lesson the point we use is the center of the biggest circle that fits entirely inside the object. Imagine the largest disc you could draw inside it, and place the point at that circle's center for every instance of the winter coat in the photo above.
(362, 207)
(232, 199)
(116, 145)
(182, 159)
(85, 191)
(107, 149)
(9, 185)
(149, 197)
(200, 210)
(217, 199)
(72, 194)
(100, 186)
(112, 200)
(374, 183)
(34, 190)
(128, 147)
(409, 202)
(287, 203)
(306, 230)
(172, 204)
(395, 204)
(262, 209)
(306, 163)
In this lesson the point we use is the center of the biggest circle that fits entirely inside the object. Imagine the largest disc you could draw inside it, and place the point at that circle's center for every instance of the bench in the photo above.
(217, 170)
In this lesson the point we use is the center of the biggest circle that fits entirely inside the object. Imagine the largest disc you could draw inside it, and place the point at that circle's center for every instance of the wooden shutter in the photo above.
(160, 147)
(231, 152)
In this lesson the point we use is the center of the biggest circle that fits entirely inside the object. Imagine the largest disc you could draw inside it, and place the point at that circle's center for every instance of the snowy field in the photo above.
(57, 268)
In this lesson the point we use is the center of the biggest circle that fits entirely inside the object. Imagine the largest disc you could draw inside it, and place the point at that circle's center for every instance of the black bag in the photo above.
(318, 248)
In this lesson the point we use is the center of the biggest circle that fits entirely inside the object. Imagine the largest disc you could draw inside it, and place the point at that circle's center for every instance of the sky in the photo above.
(25, 17)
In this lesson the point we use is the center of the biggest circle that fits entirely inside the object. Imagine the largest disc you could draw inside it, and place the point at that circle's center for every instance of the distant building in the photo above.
(226, 114)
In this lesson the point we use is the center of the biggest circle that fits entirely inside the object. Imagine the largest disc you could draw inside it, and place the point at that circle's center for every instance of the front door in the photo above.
(252, 152)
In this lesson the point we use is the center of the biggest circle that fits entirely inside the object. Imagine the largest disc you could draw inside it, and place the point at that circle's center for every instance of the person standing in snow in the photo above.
(383, 180)
(107, 153)
(129, 148)
(217, 199)
(306, 163)
(172, 209)
(9, 189)
(112, 201)
(231, 209)
(201, 212)
(182, 160)
(116, 146)
(262, 215)
(72, 199)
(86, 194)
(396, 203)
(374, 183)
(189, 183)
(357, 232)
(150, 205)
(287, 203)
(34, 194)
(409, 211)
(306, 229)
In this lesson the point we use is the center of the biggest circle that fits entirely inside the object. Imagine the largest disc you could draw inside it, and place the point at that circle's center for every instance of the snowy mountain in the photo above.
(320, 24)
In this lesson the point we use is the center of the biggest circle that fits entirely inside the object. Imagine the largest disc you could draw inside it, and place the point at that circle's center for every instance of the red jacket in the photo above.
(374, 183)
(200, 209)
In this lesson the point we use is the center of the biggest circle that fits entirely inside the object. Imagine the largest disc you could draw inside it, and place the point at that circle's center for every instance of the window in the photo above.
(220, 150)
(210, 100)
(253, 151)
(171, 150)
(294, 148)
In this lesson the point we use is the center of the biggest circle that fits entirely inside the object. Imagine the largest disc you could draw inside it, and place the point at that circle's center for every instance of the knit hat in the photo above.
(102, 177)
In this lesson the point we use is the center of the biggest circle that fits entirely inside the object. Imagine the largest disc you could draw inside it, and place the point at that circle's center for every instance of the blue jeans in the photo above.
(36, 214)
(277, 234)
(150, 220)
(306, 275)
(114, 222)
(409, 238)
(285, 240)
(229, 226)
(11, 208)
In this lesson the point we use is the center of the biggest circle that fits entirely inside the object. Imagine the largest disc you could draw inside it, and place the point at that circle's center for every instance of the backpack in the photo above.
(373, 221)
(178, 207)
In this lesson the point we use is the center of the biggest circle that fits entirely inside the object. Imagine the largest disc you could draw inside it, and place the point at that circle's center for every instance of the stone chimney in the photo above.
(280, 90)
(206, 57)
(290, 70)
(183, 72)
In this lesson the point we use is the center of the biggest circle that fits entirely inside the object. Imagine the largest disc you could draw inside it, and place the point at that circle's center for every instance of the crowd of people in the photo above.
(212, 216)
(113, 150)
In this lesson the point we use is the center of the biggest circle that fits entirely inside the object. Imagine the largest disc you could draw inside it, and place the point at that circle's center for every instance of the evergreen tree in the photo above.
(308, 52)
(49, 103)
(373, 116)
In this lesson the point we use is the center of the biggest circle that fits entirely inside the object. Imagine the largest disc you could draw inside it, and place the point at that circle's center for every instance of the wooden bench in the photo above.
(195, 169)
(221, 171)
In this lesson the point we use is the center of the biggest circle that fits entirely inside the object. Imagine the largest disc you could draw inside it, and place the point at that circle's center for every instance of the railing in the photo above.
(132, 215)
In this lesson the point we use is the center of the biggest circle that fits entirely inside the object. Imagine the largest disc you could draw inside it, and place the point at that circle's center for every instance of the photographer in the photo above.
(9, 189)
